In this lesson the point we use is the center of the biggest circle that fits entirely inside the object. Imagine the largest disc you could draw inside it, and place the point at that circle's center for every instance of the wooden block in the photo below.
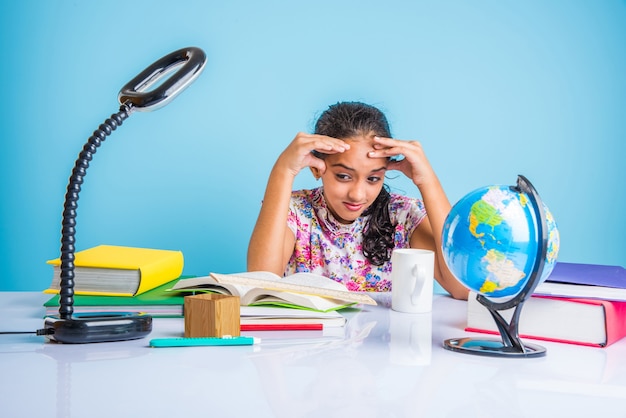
(212, 315)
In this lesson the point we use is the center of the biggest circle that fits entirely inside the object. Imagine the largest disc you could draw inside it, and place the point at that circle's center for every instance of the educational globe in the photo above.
(490, 241)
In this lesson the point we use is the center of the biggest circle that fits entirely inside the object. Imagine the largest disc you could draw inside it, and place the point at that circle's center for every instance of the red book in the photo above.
(592, 322)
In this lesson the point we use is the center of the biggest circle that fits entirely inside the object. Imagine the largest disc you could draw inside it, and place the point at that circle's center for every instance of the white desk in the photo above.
(370, 371)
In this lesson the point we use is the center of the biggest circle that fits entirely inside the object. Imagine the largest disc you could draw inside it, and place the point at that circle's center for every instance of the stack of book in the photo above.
(112, 278)
(578, 303)
(126, 279)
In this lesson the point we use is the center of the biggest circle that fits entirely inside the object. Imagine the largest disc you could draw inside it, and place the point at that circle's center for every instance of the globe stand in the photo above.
(510, 344)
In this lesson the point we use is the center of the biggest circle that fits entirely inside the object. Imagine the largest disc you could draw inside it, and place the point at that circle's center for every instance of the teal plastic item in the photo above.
(203, 341)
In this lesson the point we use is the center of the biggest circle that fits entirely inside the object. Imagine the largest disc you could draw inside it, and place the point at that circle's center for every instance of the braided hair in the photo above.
(347, 120)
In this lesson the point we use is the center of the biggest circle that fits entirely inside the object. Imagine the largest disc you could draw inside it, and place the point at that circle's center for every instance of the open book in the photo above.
(300, 290)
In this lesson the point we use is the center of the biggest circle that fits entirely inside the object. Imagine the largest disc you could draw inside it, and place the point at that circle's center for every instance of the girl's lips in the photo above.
(353, 206)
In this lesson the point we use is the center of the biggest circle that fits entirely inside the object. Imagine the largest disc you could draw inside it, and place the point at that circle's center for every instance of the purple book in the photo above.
(589, 274)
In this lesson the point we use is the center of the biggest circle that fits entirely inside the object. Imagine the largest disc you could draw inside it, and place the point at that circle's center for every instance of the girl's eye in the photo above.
(373, 179)
(342, 177)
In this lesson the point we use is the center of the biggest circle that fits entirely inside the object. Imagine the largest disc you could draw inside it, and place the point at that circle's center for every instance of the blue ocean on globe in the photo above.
(490, 241)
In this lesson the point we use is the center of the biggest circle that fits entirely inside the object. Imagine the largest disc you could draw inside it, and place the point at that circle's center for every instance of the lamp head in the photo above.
(188, 63)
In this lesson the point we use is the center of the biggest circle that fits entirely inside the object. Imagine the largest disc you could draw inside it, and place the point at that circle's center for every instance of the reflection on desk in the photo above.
(381, 364)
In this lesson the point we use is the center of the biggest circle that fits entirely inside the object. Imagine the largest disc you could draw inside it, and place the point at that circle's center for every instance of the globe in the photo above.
(490, 241)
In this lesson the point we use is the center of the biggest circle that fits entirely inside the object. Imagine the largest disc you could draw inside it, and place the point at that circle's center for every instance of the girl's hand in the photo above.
(299, 153)
(414, 165)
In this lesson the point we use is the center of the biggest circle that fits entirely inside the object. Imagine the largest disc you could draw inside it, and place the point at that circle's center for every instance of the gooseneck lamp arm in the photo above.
(68, 229)
(188, 63)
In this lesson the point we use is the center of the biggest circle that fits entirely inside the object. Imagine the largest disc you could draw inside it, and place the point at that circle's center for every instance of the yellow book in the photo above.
(119, 271)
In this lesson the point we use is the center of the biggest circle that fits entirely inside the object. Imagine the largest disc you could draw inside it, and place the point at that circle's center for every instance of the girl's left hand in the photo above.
(414, 165)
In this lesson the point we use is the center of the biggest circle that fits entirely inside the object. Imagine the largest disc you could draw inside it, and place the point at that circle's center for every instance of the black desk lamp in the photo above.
(102, 327)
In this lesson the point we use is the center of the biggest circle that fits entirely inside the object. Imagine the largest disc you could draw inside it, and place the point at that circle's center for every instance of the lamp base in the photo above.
(97, 327)
(492, 348)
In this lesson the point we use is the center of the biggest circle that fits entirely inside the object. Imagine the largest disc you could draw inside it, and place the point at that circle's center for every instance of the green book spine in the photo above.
(158, 302)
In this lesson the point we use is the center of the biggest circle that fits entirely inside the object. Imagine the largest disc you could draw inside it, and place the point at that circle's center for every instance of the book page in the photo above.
(552, 319)
(274, 315)
(260, 296)
(306, 279)
(267, 312)
(95, 281)
(299, 283)
(208, 284)
(263, 275)
(314, 280)
(293, 300)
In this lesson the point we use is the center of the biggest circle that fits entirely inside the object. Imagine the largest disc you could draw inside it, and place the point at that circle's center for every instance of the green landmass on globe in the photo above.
(490, 241)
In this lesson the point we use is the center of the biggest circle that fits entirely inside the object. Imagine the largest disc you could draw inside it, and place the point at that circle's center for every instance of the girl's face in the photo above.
(353, 180)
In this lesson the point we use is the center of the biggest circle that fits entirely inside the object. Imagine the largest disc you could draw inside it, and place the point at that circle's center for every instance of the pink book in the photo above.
(591, 322)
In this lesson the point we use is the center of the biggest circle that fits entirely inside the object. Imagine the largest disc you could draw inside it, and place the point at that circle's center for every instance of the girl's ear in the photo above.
(316, 172)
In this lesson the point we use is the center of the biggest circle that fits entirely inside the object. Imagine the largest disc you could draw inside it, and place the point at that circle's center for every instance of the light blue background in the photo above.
(493, 89)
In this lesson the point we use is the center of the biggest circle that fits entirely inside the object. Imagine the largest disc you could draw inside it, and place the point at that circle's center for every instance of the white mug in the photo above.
(412, 277)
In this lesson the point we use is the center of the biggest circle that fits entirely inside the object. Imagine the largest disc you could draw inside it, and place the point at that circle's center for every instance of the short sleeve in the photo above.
(406, 213)
(292, 216)
(300, 210)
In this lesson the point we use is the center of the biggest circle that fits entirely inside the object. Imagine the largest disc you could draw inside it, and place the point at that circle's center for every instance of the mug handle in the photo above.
(419, 276)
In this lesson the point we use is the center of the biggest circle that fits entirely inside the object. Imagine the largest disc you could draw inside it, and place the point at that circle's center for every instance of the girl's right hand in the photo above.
(299, 153)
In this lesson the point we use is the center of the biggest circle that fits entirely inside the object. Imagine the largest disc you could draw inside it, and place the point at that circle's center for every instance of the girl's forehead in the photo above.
(369, 138)
(360, 144)
(357, 156)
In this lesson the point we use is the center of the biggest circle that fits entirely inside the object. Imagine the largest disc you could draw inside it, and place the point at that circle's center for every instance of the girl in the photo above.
(347, 228)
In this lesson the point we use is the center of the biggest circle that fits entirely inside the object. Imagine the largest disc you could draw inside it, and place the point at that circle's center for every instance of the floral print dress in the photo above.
(327, 247)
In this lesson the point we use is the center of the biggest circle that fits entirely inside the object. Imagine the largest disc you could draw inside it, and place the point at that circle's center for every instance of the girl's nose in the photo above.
(357, 192)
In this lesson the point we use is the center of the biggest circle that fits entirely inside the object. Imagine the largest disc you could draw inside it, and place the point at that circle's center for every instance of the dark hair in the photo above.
(346, 120)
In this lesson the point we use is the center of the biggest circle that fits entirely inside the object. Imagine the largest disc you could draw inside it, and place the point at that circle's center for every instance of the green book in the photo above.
(157, 302)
